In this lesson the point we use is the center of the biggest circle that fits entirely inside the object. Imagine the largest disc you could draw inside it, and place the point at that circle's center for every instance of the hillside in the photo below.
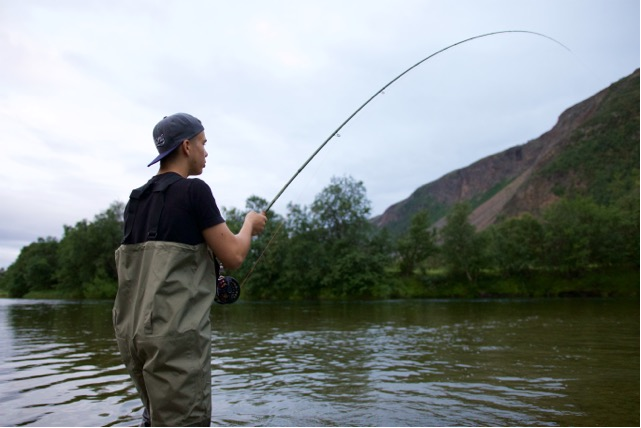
(593, 150)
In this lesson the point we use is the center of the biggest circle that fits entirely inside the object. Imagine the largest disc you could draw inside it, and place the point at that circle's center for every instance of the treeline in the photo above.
(80, 265)
(330, 250)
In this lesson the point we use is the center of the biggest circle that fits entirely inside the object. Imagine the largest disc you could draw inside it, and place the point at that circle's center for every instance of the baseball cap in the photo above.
(172, 130)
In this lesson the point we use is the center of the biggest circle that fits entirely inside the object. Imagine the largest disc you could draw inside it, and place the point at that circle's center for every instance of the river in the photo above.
(557, 362)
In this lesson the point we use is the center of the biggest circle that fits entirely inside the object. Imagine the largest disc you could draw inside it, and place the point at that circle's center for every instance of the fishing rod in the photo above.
(336, 132)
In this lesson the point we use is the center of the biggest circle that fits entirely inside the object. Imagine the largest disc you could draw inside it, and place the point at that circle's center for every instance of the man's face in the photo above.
(197, 154)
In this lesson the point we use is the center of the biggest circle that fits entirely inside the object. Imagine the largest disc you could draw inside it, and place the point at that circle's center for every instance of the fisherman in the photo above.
(167, 275)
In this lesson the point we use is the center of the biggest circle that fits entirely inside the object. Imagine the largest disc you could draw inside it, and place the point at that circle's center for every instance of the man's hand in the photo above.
(256, 221)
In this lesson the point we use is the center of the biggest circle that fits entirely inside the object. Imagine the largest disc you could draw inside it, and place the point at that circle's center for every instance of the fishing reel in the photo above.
(227, 290)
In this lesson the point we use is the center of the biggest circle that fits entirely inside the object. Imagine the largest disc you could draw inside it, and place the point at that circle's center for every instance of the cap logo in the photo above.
(160, 140)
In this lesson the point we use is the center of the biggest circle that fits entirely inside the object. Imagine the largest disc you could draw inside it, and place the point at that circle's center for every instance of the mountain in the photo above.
(593, 151)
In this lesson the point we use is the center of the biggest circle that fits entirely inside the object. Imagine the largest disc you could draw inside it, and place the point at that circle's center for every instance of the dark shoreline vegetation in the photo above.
(331, 251)
(619, 283)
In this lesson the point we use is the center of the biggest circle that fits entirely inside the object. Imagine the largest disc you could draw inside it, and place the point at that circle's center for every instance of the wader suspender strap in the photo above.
(158, 203)
(157, 188)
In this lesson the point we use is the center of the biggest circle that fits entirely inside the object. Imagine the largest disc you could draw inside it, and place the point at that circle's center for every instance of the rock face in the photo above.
(505, 184)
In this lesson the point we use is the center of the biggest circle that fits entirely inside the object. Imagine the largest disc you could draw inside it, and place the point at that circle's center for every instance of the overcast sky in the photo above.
(83, 83)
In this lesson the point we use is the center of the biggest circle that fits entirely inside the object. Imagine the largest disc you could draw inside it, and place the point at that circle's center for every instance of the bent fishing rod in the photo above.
(336, 132)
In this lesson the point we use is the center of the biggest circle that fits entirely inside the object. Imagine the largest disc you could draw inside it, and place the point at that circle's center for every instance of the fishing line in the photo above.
(335, 133)
(337, 130)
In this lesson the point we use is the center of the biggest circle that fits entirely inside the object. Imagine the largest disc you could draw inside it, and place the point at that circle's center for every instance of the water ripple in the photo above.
(373, 364)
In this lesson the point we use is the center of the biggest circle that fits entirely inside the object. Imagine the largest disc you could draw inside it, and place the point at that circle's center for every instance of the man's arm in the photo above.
(232, 249)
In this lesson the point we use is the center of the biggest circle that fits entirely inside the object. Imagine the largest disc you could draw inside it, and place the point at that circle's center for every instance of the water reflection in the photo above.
(396, 363)
(60, 365)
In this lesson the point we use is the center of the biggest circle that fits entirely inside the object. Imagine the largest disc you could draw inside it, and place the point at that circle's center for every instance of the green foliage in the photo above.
(263, 264)
(352, 257)
(579, 234)
(515, 246)
(627, 228)
(417, 244)
(327, 250)
(101, 286)
(80, 265)
(342, 210)
(306, 261)
(330, 251)
(462, 246)
(34, 269)
(602, 160)
(567, 235)
(596, 282)
(86, 261)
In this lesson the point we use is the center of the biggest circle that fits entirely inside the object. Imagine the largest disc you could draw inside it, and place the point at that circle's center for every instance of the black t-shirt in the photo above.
(189, 208)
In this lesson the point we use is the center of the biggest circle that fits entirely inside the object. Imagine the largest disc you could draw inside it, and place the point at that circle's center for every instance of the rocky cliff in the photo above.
(519, 179)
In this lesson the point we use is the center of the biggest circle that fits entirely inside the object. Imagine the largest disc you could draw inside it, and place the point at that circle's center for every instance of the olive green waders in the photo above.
(161, 320)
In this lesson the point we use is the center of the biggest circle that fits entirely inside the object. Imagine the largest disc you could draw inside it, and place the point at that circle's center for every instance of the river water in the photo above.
(565, 362)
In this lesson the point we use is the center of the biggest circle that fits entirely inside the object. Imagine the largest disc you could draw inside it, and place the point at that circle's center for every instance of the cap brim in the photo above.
(162, 155)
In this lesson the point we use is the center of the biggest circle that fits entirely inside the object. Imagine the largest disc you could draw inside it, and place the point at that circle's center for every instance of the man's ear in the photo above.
(185, 147)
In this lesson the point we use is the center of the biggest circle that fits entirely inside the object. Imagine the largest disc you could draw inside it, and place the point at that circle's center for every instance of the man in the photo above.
(167, 273)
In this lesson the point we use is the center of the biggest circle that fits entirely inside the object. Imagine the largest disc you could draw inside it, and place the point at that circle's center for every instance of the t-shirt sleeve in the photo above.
(204, 205)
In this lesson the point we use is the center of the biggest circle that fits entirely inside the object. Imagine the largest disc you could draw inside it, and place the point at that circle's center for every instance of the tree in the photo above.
(331, 250)
(304, 256)
(350, 255)
(515, 245)
(580, 234)
(568, 226)
(342, 209)
(461, 246)
(86, 264)
(627, 228)
(34, 269)
(417, 244)
(260, 273)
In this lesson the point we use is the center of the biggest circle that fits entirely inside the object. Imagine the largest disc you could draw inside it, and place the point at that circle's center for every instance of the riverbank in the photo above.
(604, 282)
(611, 282)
